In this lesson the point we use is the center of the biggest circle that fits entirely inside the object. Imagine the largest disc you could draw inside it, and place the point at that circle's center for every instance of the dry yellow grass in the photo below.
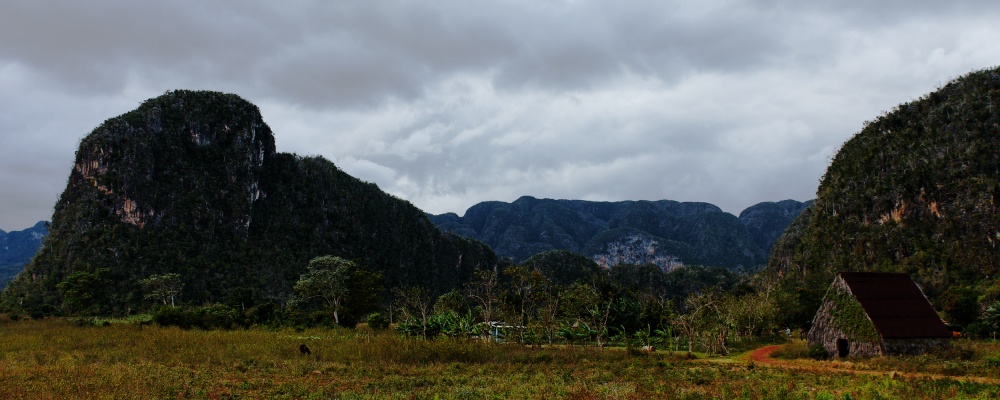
(53, 359)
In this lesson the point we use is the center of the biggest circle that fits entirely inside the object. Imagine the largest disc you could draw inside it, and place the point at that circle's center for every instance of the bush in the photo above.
(793, 350)
(817, 352)
(214, 316)
(88, 321)
(978, 330)
(377, 322)
(217, 316)
(261, 314)
(172, 316)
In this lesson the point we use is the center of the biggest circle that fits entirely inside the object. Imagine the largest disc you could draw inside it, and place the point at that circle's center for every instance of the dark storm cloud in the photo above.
(448, 103)
(355, 52)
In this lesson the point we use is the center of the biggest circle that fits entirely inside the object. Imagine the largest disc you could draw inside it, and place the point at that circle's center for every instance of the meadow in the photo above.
(53, 358)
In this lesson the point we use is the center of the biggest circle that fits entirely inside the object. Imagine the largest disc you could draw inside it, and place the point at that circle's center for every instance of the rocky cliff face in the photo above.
(184, 158)
(666, 233)
(190, 183)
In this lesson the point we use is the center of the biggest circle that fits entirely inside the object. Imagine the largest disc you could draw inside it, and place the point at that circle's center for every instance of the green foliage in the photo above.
(416, 306)
(17, 248)
(84, 292)
(163, 287)
(800, 349)
(88, 321)
(190, 184)
(213, 316)
(624, 232)
(817, 352)
(991, 318)
(850, 317)
(563, 267)
(914, 191)
(377, 322)
(454, 301)
(961, 306)
(448, 324)
(326, 279)
(345, 288)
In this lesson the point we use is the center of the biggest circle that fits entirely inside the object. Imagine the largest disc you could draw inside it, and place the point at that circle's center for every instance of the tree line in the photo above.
(554, 298)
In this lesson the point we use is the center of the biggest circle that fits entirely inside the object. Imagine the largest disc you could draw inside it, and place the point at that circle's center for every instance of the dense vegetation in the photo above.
(915, 191)
(182, 208)
(666, 233)
(190, 184)
(17, 248)
(561, 297)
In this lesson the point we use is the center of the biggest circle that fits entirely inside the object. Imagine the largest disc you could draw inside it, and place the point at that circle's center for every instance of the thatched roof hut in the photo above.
(874, 313)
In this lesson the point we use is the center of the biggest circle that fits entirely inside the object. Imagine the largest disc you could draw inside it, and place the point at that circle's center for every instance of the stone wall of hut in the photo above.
(826, 330)
(915, 346)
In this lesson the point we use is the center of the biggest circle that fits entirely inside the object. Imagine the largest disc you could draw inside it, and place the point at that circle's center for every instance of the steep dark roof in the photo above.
(895, 304)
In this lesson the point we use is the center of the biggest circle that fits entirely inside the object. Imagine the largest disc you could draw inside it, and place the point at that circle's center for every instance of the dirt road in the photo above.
(762, 356)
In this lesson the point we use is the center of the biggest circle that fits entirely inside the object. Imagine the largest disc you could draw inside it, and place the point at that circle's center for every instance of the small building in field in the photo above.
(866, 314)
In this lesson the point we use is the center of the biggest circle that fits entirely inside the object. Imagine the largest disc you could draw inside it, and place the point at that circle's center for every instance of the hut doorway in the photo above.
(843, 348)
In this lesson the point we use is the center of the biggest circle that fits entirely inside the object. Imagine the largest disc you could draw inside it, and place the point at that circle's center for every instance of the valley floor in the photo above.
(54, 359)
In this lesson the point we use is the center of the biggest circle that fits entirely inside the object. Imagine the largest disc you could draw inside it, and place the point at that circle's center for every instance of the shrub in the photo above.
(978, 330)
(817, 352)
(217, 316)
(377, 322)
(213, 316)
(172, 316)
(88, 321)
(261, 314)
(792, 350)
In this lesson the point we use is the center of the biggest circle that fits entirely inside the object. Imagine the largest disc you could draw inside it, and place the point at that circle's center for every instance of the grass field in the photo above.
(53, 359)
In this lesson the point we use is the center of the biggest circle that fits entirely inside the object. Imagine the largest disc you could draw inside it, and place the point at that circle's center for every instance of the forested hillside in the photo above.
(190, 184)
(666, 233)
(914, 191)
(17, 248)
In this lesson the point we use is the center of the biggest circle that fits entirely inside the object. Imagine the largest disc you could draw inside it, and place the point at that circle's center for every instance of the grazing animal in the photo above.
(304, 350)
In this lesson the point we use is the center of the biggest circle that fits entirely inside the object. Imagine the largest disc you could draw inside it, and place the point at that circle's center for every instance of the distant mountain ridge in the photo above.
(767, 221)
(665, 232)
(17, 248)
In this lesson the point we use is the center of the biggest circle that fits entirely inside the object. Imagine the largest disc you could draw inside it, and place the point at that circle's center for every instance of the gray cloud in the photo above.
(448, 103)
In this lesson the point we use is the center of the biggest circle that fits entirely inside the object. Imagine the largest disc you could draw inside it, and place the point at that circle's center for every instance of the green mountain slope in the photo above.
(190, 183)
(914, 192)
(17, 248)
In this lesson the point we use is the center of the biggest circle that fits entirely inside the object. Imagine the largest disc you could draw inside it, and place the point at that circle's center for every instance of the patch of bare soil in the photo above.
(762, 357)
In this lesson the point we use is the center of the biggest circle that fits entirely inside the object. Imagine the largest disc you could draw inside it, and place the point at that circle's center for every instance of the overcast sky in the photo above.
(449, 103)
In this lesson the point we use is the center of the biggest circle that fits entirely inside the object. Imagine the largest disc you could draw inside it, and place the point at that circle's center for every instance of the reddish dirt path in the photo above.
(763, 356)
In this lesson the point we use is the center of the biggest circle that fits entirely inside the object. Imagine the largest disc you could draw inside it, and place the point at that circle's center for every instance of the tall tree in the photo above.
(524, 294)
(163, 287)
(484, 290)
(326, 279)
(416, 302)
(84, 292)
